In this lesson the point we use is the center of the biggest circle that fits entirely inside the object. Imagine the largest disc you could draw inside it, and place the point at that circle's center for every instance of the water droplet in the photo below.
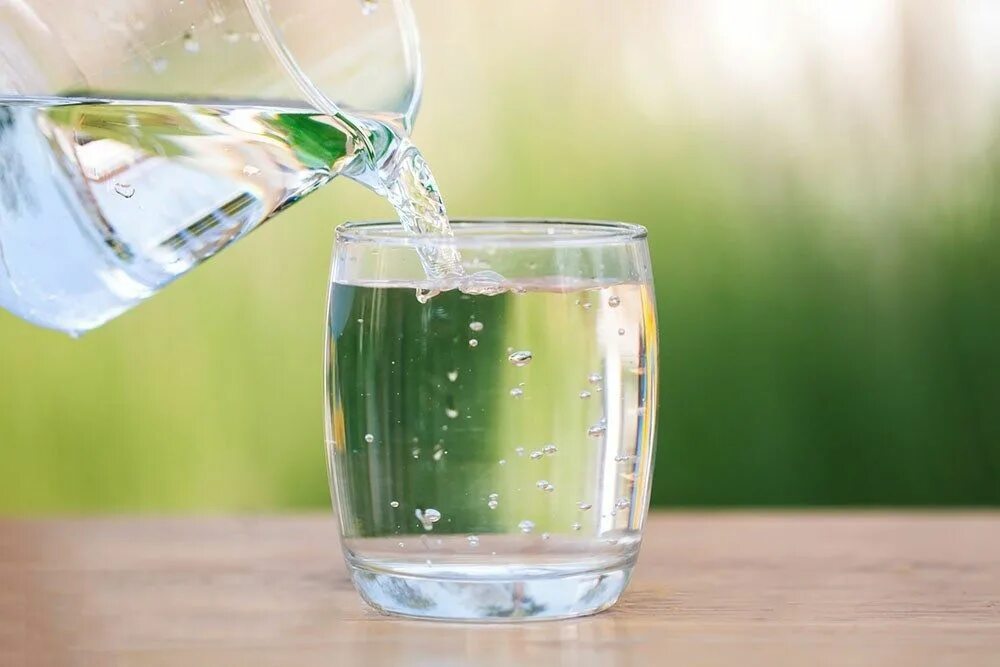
(520, 358)
(159, 65)
(369, 438)
(368, 6)
(452, 375)
(124, 189)
(438, 453)
(394, 504)
(621, 332)
(476, 326)
(416, 452)
(597, 430)
(425, 294)
(517, 392)
(594, 378)
(428, 517)
(576, 525)
(361, 320)
(587, 305)
(614, 301)
(502, 462)
(473, 342)
(191, 45)
(584, 394)
(542, 483)
(623, 503)
(473, 540)
(526, 526)
(535, 455)
(250, 170)
(583, 507)
(546, 536)
(623, 457)
(494, 501)
(254, 36)
(451, 413)
(400, 545)
(549, 488)
(549, 449)
(218, 18)
(231, 36)
(519, 451)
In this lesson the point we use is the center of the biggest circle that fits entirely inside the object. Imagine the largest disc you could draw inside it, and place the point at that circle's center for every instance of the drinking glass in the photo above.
(490, 436)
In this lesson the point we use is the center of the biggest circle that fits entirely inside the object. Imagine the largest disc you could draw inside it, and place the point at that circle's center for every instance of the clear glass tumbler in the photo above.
(490, 440)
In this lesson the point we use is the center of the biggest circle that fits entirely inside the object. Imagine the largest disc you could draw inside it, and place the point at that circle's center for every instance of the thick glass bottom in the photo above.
(490, 599)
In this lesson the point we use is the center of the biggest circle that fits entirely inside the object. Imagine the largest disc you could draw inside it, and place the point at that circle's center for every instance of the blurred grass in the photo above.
(813, 351)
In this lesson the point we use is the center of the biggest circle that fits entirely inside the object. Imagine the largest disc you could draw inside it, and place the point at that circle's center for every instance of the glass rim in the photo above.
(477, 232)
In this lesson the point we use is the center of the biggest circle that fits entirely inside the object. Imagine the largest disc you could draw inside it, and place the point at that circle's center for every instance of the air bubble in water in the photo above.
(416, 452)
(473, 540)
(394, 504)
(452, 376)
(517, 392)
(583, 507)
(549, 449)
(614, 301)
(621, 332)
(438, 453)
(476, 326)
(368, 6)
(191, 45)
(584, 394)
(218, 18)
(520, 358)
(428, 517)
(597, 430)
(250, 170)
(546, 536)
(125, 190)
(488, 283)
(519, 451)
(594, 378)
(623, 503)
(254, 36)
(576, 525)
(493, 501)
(159, 65)
(623, 457)
(473, 342)
(549, 488)
(425, 294)
(526, 526)
(451, 413)
(369, 438)
(231, 36)
(535, 455)
(586, 305)
(502, 462)
(542, 483)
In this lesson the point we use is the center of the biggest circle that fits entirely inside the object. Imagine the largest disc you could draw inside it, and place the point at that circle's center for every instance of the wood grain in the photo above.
(710, 589)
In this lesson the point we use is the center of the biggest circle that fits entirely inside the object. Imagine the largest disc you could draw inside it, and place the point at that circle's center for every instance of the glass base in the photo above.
(511, 600)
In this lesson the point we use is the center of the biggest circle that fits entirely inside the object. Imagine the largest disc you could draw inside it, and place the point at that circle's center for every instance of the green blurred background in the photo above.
(821, 182)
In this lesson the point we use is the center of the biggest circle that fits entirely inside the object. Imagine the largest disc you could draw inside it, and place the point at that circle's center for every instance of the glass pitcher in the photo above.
(140, 137)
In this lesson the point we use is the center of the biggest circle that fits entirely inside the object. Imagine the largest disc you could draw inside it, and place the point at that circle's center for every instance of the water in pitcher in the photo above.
(491, 435)
(103, 202)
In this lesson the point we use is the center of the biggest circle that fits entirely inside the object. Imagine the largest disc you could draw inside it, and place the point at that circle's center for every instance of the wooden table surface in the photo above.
(710, 589)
